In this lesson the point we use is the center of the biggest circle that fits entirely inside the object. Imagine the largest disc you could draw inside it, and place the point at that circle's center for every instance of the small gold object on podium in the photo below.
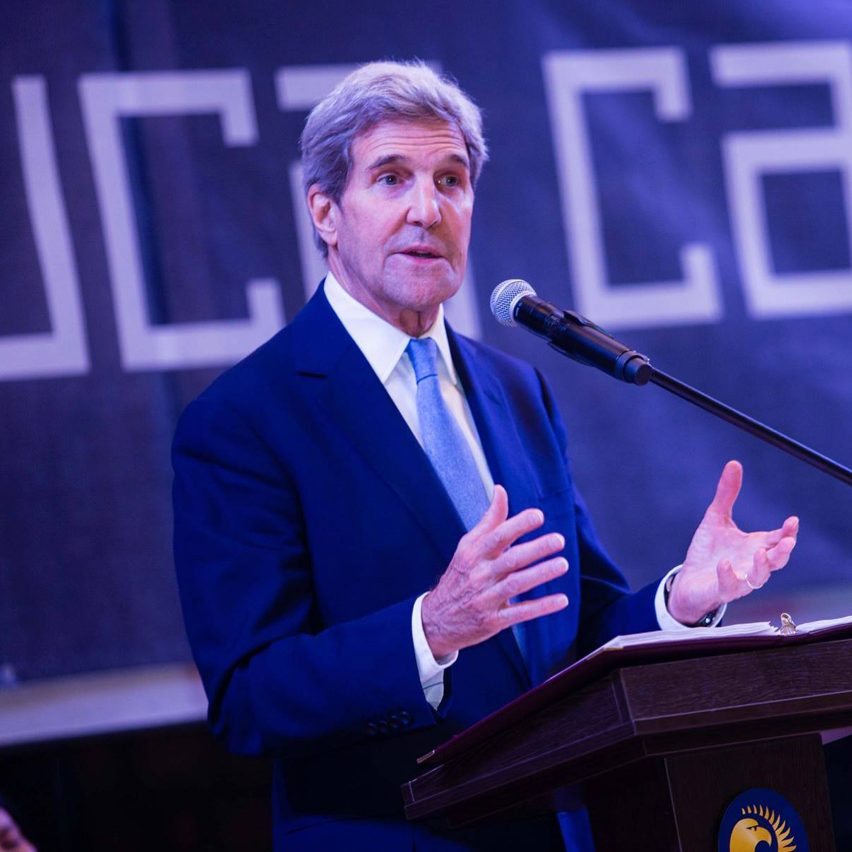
(788, 626)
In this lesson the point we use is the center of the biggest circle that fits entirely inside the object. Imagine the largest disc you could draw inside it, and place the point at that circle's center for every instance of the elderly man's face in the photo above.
(398, 238)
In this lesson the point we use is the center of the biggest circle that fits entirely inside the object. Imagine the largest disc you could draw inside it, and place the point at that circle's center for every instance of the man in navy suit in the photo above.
(351, 598)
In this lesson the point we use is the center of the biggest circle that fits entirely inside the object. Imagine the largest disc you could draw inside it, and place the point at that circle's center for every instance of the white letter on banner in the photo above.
(301, 88)
(568, 76)
(749, 156)
(61, 351)
(106, 98)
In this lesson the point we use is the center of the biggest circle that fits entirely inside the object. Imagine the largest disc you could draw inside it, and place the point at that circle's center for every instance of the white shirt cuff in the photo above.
(665, 619)
(431, 671)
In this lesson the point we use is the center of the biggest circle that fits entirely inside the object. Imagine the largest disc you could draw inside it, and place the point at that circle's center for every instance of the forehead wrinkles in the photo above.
(409, 141)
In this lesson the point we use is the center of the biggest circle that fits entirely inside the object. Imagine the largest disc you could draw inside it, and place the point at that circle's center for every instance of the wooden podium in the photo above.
(661, 740)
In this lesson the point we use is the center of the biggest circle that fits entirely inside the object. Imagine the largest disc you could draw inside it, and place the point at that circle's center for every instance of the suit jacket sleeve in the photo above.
(276, 678)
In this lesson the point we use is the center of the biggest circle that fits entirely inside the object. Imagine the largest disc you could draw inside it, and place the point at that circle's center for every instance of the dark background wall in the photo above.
(681, 173)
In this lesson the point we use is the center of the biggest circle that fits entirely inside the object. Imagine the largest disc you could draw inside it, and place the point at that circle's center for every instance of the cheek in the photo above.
(461, 235)
(375, 235)
(461, 216)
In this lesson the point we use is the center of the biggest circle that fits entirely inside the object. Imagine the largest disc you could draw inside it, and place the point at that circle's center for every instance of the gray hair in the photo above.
(376, 92)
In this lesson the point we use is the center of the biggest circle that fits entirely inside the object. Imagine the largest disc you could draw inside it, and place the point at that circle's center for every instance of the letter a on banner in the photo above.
(749, 156)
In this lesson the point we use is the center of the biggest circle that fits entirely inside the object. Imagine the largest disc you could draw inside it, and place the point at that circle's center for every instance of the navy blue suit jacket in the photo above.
(307, 521)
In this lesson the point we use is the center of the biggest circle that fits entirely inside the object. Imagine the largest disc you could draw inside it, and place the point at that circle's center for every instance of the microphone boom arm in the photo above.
(750, 425)
(514, 302)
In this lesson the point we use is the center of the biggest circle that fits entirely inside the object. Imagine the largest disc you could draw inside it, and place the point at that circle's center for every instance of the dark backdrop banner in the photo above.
(681, 173)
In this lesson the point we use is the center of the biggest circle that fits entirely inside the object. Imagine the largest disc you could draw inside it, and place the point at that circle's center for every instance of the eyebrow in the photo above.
(394, 159)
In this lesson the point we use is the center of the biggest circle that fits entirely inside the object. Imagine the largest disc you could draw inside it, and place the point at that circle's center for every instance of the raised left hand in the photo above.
(723, 562)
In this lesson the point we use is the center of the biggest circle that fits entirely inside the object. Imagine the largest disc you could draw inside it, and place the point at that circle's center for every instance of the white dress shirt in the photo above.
(383, 345)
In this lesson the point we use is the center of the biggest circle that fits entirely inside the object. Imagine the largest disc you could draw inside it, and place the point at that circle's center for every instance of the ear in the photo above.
(324, 212)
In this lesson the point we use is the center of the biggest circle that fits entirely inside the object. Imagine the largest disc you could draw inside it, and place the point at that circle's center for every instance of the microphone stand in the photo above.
(576, 336)
(750, 425)
(579, 338)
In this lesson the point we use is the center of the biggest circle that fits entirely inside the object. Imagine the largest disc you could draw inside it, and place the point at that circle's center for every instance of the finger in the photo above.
(730, 585)
(759, 572)
(727, 490)
(522, 555)
(497, 540)
(779, 555)
(789, 529)
(528, 610)
(526, 579)
(495, 514)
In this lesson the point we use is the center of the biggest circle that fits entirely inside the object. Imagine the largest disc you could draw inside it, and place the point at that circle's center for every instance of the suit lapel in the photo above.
(507, 460)
(547, 638)
(364, 412)
(507, 457)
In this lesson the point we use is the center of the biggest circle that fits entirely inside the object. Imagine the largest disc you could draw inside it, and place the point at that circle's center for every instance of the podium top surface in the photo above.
(708, 671)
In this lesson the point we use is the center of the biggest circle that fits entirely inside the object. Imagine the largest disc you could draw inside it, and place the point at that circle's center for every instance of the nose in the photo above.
(424, 204)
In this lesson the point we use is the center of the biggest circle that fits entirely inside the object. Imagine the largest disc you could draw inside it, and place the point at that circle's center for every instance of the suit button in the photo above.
(399, 720)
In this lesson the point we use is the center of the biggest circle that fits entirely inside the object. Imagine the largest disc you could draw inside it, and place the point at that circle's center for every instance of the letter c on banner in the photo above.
(568, 76)
(106, 98)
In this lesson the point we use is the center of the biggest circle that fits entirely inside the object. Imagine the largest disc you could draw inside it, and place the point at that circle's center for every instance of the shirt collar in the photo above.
(381, 343)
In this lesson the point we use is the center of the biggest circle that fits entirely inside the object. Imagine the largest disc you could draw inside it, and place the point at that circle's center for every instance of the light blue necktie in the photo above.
(451, 456)
(442, 437)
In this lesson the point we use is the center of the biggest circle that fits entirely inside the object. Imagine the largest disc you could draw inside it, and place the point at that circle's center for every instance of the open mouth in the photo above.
(427, 255)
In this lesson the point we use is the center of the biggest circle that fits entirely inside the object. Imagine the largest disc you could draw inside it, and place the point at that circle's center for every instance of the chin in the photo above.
(427, 295)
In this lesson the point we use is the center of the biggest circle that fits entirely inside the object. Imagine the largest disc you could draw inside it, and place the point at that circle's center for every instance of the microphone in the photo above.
(514, 302)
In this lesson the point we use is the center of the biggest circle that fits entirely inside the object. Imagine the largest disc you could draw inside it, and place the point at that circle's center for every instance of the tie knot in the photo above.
(424, 357)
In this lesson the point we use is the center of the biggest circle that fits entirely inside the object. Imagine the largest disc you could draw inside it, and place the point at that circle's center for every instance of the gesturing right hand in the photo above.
(471, 601)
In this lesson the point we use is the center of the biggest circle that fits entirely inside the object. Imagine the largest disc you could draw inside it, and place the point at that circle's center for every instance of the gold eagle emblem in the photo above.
(760, 823)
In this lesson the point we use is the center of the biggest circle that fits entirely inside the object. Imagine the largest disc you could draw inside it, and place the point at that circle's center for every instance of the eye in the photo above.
(450, 181)
(388, 179)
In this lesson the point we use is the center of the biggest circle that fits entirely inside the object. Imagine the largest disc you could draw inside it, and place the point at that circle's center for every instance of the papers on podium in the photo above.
(702, 634)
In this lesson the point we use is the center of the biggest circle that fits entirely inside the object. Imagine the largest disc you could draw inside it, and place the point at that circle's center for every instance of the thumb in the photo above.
(728, 489)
